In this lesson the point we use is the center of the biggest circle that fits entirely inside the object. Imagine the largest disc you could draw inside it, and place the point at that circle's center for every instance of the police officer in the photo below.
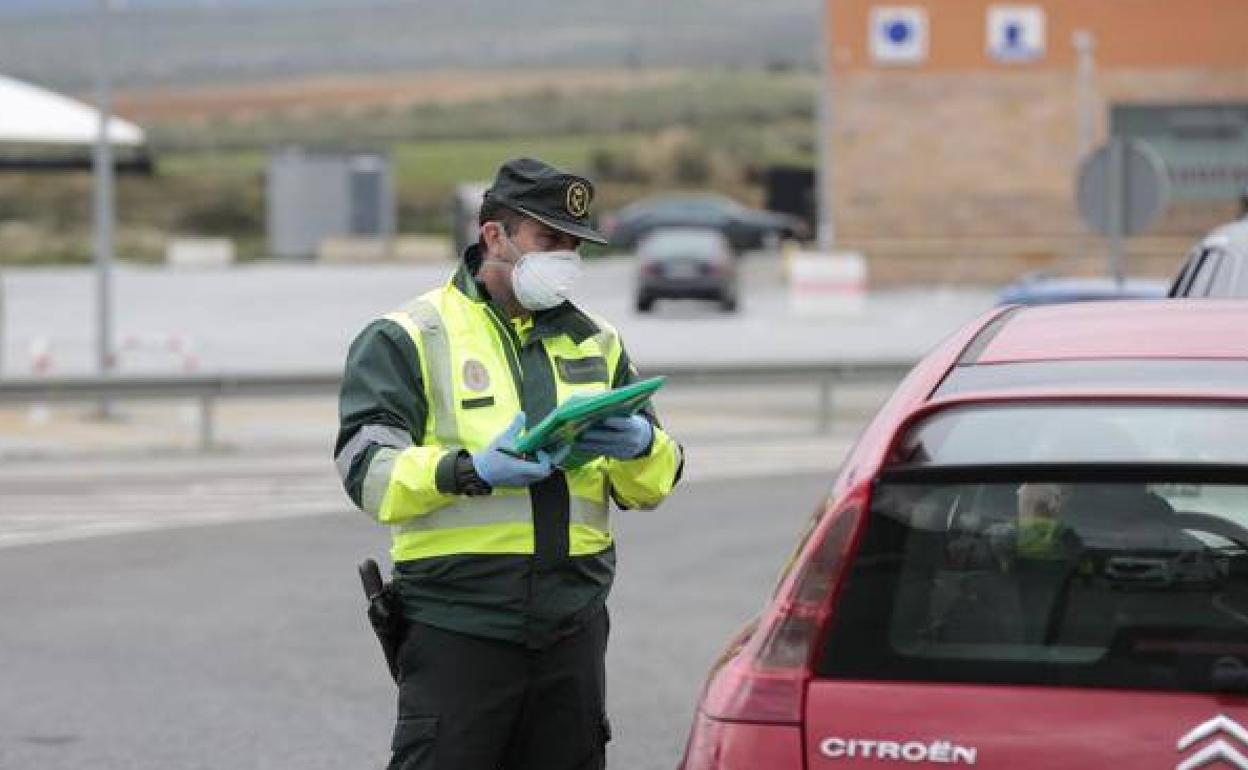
(503, 562)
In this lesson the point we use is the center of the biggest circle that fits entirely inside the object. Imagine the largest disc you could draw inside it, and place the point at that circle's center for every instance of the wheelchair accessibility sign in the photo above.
(1016, 33)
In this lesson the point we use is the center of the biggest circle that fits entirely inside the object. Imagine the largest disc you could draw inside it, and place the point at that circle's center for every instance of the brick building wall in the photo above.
(963, 168)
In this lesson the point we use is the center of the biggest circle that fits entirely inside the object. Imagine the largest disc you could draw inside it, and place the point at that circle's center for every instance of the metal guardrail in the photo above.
(208, 388)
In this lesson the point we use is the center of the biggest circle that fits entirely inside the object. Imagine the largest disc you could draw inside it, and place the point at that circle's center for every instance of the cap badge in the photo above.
(577, 199)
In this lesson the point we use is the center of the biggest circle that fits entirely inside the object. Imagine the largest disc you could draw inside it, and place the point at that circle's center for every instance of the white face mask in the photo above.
(543, 279)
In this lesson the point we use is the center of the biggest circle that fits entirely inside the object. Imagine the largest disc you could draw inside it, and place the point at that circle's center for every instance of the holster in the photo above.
(385, 614)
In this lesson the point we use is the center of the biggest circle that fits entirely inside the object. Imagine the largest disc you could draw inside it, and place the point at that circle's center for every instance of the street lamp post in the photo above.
(825, 228)
(102, 163)
(3, 326)
(1085, 96)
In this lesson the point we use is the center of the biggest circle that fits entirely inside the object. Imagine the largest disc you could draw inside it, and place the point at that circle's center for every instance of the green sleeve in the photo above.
(381, 402)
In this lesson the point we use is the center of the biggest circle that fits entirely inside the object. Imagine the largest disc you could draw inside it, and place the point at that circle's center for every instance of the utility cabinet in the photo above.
(317, 194)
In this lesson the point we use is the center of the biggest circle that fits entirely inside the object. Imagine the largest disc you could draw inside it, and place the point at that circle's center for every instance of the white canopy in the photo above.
(30, 114)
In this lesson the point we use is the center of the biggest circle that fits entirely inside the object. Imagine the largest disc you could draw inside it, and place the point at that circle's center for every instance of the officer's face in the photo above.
(1039, 500)
(530, 235)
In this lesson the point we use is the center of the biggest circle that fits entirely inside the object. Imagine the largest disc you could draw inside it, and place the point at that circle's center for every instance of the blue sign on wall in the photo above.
(1016, 33)
(898, 34)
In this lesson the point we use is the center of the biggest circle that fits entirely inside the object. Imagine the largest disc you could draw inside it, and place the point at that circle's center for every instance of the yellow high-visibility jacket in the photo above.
(449, 371)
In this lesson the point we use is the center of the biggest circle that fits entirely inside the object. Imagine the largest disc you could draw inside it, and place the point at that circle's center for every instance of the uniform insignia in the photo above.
(476, 376)
(581, 370)
(577, 201)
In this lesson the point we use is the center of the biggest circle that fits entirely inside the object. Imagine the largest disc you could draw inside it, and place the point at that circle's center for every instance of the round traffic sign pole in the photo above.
(1122, 188)
(1116, 207)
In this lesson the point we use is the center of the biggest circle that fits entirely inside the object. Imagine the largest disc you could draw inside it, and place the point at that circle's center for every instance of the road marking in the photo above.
(52, 503)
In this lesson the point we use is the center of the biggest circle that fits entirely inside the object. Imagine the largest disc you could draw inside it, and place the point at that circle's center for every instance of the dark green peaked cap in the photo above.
(555, 198)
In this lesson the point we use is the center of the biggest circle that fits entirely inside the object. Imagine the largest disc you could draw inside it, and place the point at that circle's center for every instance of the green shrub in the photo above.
(691, 164)
(223, 213)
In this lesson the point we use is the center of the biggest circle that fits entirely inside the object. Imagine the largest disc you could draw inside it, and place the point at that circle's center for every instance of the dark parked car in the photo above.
(745, 228)
(686, 263)
(1035, 557)
(1218, 266)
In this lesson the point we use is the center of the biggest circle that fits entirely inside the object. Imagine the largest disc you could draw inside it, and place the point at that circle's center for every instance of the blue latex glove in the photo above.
(623, 438)
(499, 466)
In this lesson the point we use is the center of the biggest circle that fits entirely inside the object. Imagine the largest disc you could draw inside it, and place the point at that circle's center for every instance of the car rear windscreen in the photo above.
(1116, 374)
(1049, 578)
(682, 243)
(1003, 434)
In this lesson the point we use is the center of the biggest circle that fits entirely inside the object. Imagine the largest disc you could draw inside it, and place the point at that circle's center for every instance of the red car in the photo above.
(1036, 556)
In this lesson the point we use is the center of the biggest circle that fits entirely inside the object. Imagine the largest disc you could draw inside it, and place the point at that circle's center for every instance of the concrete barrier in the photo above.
(199, 252)
(827, 283)
(408, 248)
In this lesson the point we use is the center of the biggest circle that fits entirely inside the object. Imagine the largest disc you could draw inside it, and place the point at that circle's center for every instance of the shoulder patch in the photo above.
(476, 376)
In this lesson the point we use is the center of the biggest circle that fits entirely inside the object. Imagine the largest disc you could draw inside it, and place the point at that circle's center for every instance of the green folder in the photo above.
(575, 415)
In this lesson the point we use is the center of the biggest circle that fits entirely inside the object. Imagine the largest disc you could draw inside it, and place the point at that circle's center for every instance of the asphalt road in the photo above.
(242, 645)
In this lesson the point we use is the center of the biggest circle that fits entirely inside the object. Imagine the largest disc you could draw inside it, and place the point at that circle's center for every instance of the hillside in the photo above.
(172, 42)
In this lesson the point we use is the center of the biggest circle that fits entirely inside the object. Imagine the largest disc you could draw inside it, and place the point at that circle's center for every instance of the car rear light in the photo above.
(764, 678)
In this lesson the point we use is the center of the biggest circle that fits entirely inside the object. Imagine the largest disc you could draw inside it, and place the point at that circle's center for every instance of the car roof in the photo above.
(1232, 237)
(680, 200)
(1150, 329)
(690, 197)
(1229, 242)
